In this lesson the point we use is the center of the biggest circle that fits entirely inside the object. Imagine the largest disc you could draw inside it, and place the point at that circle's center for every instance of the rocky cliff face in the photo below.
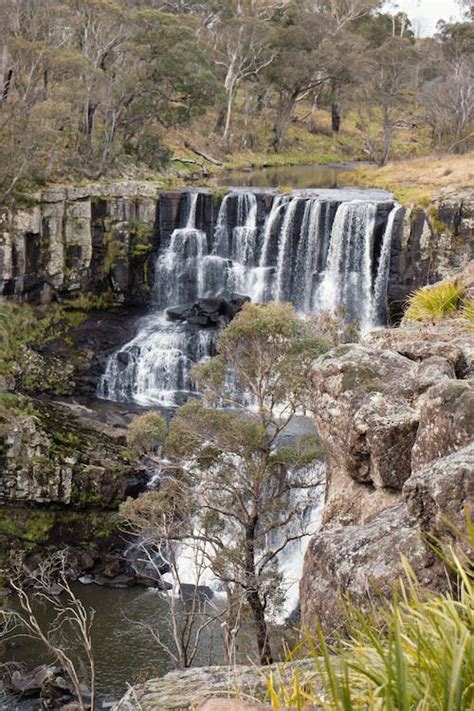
(64, 473)
(104, 237)
(397, 415)
(434, 241)
(93, 238)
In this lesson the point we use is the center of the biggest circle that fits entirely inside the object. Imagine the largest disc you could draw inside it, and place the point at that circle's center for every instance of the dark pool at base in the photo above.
(125, 652)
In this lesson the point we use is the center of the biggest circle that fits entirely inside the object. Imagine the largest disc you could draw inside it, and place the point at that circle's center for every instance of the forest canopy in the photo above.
(90, 88)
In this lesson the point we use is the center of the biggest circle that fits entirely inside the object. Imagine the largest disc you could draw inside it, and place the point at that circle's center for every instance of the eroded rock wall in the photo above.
(396, 413)
(434, 241)
(93, 238)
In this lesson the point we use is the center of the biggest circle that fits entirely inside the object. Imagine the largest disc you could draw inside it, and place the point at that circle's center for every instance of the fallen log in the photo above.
(207, 157)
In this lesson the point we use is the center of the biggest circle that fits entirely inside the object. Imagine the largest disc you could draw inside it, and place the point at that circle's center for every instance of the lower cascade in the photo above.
(321, 250)
(193, 568)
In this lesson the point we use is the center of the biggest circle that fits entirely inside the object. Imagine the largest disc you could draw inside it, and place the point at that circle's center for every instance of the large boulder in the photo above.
(363, 410)
(397, 416)
(363, 561)
(446, 422)
(188, 689)
(439, 493)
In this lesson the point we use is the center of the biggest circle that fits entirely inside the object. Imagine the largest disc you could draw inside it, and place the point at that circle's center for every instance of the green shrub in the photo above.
(432, 303)
(146, 431)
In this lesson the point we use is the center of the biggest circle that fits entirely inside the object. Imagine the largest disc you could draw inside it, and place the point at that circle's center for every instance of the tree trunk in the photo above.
(220, 121)
(261, 629)
(253, 597)
(6, 75)
(335, 117)
(228, 116)
(284, 113)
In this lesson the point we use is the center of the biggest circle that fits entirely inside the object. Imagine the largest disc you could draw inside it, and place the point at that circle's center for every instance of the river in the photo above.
(289, 176)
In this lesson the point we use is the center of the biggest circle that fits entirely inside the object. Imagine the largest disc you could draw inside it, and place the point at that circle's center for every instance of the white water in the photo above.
(194, 561)
(317, 250)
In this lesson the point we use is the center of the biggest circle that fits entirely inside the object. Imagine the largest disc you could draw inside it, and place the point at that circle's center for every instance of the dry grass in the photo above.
(415, 181)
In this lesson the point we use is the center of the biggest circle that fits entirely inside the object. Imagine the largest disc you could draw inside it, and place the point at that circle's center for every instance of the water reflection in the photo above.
(288, 176)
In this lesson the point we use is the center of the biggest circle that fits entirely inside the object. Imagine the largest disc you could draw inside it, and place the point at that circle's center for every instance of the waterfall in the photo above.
(153, 369)
(347, 277)
(323, 250)
(379, 302)
(307, 255)
(278, 202)
(177, 278)
(283, 274)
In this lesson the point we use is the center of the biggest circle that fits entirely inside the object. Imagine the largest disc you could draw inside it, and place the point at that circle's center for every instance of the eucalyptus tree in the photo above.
(241, 497)
(385, 82)
(240, 35)
(447, 94)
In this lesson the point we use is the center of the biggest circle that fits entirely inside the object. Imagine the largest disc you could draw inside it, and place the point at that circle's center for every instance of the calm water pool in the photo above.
(296, 176)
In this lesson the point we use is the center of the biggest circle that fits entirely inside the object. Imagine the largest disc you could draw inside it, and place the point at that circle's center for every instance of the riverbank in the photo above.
(415, 181)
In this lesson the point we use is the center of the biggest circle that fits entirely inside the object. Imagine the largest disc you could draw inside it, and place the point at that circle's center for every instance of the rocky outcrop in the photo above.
(434, 242)
(396, 413)
(183, 690)
(63, 474)
(55, 453)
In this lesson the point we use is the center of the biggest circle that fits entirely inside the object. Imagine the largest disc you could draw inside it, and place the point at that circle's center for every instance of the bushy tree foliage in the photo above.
(238, 490)
(146, 432)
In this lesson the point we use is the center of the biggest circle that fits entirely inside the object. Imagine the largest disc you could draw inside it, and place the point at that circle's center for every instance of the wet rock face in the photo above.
(398, 422)
(210, 312)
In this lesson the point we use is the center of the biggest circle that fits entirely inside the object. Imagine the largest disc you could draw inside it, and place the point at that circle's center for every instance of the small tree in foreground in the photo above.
(242, 496)
(146, 432)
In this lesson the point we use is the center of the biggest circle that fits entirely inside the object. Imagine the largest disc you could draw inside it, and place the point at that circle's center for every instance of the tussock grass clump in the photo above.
(418, 655)
(433, 303)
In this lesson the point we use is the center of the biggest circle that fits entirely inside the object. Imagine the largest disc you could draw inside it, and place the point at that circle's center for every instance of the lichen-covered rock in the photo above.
(363, 410)
(397, 416)
(185, 690)
(439, 494)
(449, 339)
(446, 421)
(362, 561)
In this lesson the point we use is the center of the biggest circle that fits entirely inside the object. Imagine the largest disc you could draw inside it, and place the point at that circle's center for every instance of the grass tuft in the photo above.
(468, 310)
(433, 303)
